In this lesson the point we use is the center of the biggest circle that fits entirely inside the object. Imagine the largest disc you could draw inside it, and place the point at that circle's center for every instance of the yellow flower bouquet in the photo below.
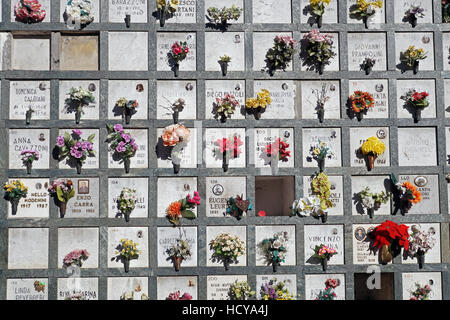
(15, 190)
(363, 9)
(317, 8)
(372, 148)
(258, 105)
(412, 56)
(126, 251)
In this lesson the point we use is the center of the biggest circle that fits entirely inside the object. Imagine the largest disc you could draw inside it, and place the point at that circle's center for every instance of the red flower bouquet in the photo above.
(229, 148)
(389, 237)
(29, 11)
(278, 149)
(178, 53)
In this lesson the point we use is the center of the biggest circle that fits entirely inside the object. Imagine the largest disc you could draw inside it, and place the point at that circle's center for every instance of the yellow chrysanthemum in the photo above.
(373, 145)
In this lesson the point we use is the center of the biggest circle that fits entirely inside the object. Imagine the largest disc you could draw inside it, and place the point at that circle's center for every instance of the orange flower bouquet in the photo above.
(405, 195)
(176, 136)
(361, 102)
(183, 209)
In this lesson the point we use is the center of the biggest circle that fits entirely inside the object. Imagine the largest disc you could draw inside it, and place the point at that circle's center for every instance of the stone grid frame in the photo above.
(152, 222)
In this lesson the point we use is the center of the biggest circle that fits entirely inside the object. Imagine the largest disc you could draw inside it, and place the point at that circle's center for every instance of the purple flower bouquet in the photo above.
(121, 144)
(74, 148)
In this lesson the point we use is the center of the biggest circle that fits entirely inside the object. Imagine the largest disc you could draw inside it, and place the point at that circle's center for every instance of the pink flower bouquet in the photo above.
(76, 258)
(28, 156)
(29, 11)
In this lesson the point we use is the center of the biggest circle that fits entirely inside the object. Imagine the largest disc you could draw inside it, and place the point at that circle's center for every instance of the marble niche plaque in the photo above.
(402, 6)
(218, 287)
(378, 17)
(87, 287)
(433, 279)
(168, 285)
(118, 9)
(91, 162)
(121, 57)
(434, 254)
(167, 236)
(332, 137)
(186, 12)
(330, 15)
(28, 248)
(334, 62)
(220, 4)
(403, 86)
(284, 100)
(336, 197)
(70, 239)
(85, 203)
(140, 160)
(46, 5)
(266, 136)
(361, 245)
(169, 92)
(79, 52)
(165, 40)
(174, 189)
(428, 185)
(266, 232)
(379, 89)
(417, 147)
(218, 89)
(90, 111)
(30, 48)
(95, 5)
(290, 281)
(36, 204)
(219, 190)
(115, 186)
(234, 48)
(139, 235)
(315, 283)
(366, 45)
(24, 95)
(120, 285)
(27, 289)
(311, 92)
(358, 136)
(213, 232)
(272, 11)
(29, 139)
(329, 235)
(422, 40)
(263, 41)
(213, 156)
(188, 154)
(130, 90)
(446, 58)
(376, 184)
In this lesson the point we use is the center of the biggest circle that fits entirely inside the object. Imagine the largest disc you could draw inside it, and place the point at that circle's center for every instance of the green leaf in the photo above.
(91, 138)
(188, 214)
(60, 194)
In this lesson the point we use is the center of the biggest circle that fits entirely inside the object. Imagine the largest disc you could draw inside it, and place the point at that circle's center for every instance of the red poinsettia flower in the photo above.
(389, 231)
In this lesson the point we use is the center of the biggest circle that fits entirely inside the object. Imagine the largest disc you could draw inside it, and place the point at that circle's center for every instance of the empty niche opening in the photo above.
(79, 51)
(385, 291)
(274, 195)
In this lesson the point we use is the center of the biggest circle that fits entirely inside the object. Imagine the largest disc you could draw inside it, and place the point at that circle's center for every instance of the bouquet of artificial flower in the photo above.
(237, 206)
(321, 187)
(317, 8)
(275, 290)
(228, 148)
(226, 248)
(177, 296)
(319, 49)
(79, 11)
(372, 201)
(130, 296)
(64, 191)
(76, 258)
(175, 108)
(76, 149)
(76, 296)
(172, 136)
(421, 293)
(28, 156)
(126, 251)
(412, 56)
(258, 105)
(361, 102)
(29, 11)
(76, 99)
(390, 237)
(127, 202)
(416, 101)
(178, 252)
(223, 62)
(372, 148)
(405, 195)
(221, 16)
(166, 8)
(275, 249)
(183, 208)
(240, 290)
(14, 191)
(308, 206)
(320, 152)
(281, 54)
(225, 107)
(365, 9)
(420, 242)
(128, 108)
(324, 253)
(413, 13)
(328, 293)
(278, 150)
(368, 64)
(121, 144)
(178, 53)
